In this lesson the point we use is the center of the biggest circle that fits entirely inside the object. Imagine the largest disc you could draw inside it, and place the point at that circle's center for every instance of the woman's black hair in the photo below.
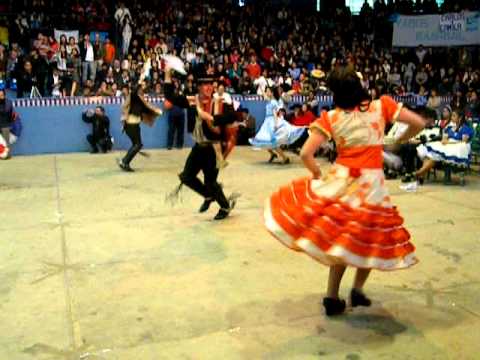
(275, 91)
(461, 115)
(347, 88)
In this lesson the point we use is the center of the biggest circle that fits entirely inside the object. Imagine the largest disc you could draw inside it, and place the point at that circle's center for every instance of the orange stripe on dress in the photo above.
(361, 157)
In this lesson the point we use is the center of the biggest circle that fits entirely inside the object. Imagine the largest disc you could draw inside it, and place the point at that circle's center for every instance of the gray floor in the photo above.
(95, 265)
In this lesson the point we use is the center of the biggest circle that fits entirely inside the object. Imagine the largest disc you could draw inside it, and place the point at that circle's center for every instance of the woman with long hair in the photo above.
(345, 217)
(275, 130)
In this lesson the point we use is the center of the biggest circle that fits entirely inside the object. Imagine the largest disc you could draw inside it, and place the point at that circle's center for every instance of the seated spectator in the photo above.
(445, 118)
(263, 82)
(434, 102)
(421, 78)
(104, 90)
(100, 136)
(115, 90)
(125, 91)
(253, 68)
(454, 148)
(458, 100)
(304, 117)
(54, 83)
(313, 103)
(220, 99)
(3, 62)
(472, 108)
(88, 89)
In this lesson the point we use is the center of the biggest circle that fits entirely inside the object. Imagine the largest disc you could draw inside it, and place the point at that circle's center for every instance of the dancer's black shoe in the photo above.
(205, 206)
(272, 157)
(223, 213)
(124, 167)
(358, 298)
(334, 306)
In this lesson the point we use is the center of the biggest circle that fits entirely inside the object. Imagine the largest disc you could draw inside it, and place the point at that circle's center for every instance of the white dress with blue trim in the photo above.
(271, 136)
(456, 152)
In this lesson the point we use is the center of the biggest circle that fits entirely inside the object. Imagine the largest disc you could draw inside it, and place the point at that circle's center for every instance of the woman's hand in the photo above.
(317, 175)
(307, 154)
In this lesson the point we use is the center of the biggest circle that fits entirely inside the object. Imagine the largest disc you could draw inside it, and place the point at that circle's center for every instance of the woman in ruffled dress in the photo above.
(454, 148)
(345, 217)
(275, 130)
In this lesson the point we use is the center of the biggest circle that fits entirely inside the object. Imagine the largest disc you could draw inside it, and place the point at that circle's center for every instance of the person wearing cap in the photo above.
(202, 157)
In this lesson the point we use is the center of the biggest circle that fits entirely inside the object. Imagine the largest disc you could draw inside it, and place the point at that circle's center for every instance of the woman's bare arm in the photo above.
(415, 124)
(314, 141)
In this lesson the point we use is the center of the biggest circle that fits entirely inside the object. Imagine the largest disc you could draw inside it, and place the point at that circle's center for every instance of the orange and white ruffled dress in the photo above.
(346, 217)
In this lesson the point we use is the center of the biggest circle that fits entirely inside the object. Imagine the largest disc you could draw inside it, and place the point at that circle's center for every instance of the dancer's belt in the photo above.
(361, 157)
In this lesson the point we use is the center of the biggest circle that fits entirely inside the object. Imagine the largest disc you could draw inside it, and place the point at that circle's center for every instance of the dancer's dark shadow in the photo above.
(383, 324)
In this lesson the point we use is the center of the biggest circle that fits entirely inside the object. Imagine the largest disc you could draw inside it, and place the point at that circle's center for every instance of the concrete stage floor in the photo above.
(95, 265)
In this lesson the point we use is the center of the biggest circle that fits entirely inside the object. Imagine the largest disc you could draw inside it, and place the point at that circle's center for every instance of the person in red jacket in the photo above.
(253, 69)
(305, 117)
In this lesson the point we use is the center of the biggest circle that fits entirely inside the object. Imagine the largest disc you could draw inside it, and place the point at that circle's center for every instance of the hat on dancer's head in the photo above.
(204, 78)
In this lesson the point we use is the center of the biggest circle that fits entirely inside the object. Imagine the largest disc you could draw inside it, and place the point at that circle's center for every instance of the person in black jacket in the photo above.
(202, 157)
(26, 80)
(100, 136)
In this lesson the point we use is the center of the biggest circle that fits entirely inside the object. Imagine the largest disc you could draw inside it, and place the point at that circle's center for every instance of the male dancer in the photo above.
(135, 110)
(202, 157)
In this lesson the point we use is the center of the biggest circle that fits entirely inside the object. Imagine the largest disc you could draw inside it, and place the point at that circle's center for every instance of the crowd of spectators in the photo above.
(247, 48)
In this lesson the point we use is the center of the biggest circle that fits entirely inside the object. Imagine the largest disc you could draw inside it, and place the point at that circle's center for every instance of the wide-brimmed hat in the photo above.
(317, 73)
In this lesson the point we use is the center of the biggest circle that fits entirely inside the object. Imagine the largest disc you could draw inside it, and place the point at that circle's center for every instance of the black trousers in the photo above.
(133, 132)
(300, 141)
(191, 115)
(176, 125)
(5, 132)
(203, 158)
(95, 141)
(408, 153)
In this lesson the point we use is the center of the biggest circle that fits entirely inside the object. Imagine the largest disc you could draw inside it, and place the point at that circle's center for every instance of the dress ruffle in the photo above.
(343, 228)
(456, 154)
(271, 136)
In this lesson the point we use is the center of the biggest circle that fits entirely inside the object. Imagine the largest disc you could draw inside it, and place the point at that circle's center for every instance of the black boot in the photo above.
(205, 206)
(273, 156)
(358, 298)
(223, 213)
(334, 306)
(124, 167)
